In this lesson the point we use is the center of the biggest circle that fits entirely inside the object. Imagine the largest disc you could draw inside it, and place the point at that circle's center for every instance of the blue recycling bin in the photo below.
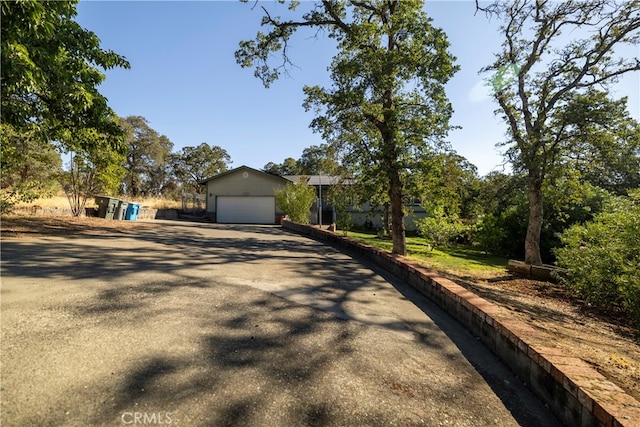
(132, 211)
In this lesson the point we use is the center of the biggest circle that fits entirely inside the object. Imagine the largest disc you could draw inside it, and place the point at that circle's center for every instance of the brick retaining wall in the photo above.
(575, 392)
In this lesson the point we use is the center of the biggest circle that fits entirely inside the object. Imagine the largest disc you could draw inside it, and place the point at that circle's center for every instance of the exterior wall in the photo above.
(360, 216)
(243, 182)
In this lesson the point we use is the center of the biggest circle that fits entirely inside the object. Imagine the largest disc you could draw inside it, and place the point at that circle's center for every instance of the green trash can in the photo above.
(106, 206)
(121, 210)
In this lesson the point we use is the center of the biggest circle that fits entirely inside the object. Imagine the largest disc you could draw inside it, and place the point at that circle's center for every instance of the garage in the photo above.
(246, 209)
(243, 196)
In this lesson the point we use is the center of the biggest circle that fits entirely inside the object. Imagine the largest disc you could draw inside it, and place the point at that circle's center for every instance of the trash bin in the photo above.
(132, 211)
(90, 212)
(120, 210)
(106, 206)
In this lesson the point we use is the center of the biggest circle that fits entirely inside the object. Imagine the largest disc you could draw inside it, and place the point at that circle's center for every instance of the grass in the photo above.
(460, 260)
(60, 201)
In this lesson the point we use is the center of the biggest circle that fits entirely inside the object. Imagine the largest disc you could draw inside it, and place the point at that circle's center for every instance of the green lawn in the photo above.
(460, 260)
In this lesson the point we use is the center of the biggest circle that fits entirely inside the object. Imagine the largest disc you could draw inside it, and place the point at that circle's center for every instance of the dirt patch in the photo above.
(15, 226)
(603, 340)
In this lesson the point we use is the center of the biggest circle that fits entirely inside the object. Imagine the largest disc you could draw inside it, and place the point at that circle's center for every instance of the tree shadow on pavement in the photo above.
(267, 353)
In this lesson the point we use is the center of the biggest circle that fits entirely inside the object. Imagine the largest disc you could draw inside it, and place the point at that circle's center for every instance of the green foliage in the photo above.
(341, 198)
(544, 84)
(440, 228)
(21, 192)
(604, 142)
(29, 167)
(295, 200)
(445, 179)
(319, 160)
(51, 70)
(387, 105)
(490, 235)
(568, 200)
(193, 164)
(315, 160)
(602, 257)
(94, 170)
(502, 227)
(289, 167)
(147, 158)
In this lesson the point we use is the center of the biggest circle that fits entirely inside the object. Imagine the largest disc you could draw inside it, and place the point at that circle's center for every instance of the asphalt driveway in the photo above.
(210, 325)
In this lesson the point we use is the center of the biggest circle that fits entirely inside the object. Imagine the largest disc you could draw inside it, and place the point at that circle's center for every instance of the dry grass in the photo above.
(61, 201)
(158, 203)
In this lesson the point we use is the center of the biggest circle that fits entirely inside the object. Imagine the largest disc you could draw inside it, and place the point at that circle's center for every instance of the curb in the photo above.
(575, 392)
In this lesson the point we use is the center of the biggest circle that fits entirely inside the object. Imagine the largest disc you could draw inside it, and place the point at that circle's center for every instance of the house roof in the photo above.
(315, 180)
(247, 168)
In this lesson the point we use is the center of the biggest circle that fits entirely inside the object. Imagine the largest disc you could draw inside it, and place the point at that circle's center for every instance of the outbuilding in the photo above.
(243, 196)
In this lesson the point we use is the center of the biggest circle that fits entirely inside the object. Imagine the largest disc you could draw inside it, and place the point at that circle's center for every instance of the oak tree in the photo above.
(51, 70)
(147, 158)
(29, 167)
(551, 52)
(193, 164)
(289, 166)
(601, 141)
(387, 98)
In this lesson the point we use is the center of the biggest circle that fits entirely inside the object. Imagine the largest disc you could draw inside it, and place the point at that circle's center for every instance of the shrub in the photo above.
(440, 229)
(490, 235)
(341, 198)
(602, 257)
(295, 200)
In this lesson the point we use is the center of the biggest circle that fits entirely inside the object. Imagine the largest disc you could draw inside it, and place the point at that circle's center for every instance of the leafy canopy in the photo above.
(194, 164)
(147, 158)
(552, 53)
(98, 169)
(387, 104)
(51, 70)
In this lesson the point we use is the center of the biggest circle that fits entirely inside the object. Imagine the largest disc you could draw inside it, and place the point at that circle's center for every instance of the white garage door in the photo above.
(246, 210)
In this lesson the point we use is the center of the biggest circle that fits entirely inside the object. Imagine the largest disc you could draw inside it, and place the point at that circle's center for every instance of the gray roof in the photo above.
(315, 180)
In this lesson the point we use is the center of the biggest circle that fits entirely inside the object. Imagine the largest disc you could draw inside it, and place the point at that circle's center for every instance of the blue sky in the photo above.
(184, 79)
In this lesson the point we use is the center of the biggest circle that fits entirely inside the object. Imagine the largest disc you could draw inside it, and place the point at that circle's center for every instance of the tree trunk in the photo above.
(397, 214)
(534, 227)
(385, 219)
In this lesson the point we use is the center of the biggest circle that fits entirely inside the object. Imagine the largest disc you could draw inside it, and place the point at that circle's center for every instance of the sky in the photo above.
(185, 81)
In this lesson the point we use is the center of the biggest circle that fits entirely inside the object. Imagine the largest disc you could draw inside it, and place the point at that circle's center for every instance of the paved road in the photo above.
(200, 324)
